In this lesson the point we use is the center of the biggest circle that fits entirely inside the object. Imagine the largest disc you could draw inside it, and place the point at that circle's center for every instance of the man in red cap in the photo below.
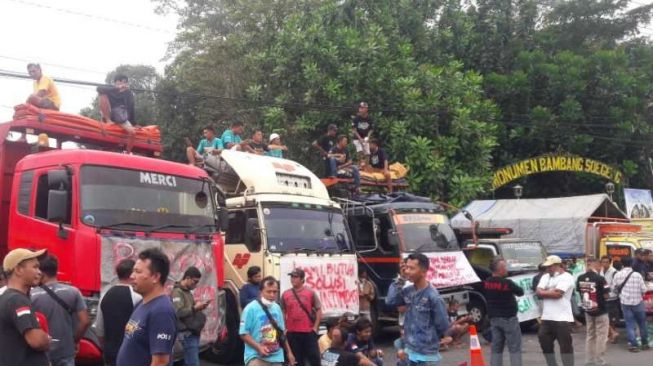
(22, 341)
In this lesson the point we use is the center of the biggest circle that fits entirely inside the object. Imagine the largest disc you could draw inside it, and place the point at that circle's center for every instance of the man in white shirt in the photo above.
(608, 272)
(555, 289)
(630, 287)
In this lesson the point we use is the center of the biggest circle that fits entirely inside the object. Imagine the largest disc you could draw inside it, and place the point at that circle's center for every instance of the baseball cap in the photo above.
(274, 136)
(16, 256)
(552, 259)
(297, 272)
(363, 105)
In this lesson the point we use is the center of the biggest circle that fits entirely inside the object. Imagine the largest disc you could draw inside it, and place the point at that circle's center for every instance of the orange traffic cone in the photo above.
(475, 352)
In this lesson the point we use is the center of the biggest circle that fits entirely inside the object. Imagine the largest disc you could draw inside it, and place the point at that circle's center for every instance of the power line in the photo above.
(75, 68)
(93, 16)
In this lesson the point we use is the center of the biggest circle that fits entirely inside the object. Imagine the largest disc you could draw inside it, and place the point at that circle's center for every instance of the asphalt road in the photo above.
(617, 354)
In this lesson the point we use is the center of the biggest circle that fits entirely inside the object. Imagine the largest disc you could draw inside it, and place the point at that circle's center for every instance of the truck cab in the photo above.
(386, 229)
(92, 208)
(522, 258)
(281, 217)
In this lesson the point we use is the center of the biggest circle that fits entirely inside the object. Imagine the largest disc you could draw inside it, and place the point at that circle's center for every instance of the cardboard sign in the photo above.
(334, 279)
(182, 254)
(449, 269)
(528, 306)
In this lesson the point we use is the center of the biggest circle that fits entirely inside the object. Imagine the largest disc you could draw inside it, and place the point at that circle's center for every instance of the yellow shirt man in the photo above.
(47, 84)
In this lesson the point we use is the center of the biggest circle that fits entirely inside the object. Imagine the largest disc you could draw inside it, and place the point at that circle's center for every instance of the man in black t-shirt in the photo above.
(22, 341)
(340, 159)
(362, 128)
(114, 310)
(336, 355)
(324, 144)
(256, 145)
(592, 288)
(379, 162)
(500, 295)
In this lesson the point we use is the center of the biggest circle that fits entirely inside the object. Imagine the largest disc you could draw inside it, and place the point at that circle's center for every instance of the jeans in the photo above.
(635, 314)
(505, 330)
(597, 338)
(423, 363)
(304, 346)
(191, 344)
(549, 332)
(333, 171)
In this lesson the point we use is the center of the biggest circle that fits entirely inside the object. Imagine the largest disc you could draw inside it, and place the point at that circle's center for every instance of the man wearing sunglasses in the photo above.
(190, 319)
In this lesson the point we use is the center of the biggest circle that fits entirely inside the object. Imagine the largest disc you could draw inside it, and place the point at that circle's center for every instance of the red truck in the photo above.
(92, 207)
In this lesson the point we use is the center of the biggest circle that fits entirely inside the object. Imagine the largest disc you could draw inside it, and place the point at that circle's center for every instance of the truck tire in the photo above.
(478, 313)
(230, 350)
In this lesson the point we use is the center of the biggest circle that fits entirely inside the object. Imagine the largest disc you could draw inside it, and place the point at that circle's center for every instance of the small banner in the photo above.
(639, 204)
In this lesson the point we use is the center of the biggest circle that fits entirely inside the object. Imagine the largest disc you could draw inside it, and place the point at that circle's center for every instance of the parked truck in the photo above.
(93, 208)
(387, 228)
(281, 217)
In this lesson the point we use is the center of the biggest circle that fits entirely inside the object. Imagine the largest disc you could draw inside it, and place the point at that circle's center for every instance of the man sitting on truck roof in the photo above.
(231, 137)
(256, 145)
(46, 95)
(210, 144)
(379, 162)
(117, 106)
(324, 144)
(340, 160)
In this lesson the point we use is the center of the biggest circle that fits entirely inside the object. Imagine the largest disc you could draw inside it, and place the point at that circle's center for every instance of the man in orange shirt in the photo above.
(46, 95)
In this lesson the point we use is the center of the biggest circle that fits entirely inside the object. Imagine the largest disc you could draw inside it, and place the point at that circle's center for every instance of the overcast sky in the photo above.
(82, 40)
(74, 46)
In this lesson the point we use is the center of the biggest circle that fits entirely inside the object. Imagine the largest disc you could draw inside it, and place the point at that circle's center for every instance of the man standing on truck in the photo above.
(190, 319)
(210, 144)
(555, 289)
(22, 341)
(117, 106)
(114, 310)
(362, 128)
(303, 313)
(629, 285)
(426, 318)
(262, 329)
(324, 145)
(500, 295)
(151, 330)
(46, 95)
(593, 294)
(65, 310)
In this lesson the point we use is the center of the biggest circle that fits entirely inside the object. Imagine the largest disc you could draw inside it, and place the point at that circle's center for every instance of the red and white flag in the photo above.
(25, 310)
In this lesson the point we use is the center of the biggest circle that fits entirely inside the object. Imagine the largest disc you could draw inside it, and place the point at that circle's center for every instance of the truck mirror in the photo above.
(58, 179)
(201, 199)
(437, 236)
(57, 205)
(252, 235)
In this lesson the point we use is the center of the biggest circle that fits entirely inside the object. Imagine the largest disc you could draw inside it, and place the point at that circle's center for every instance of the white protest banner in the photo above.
(449, 269)
(182, 254)
(334, 279)
(528, 307)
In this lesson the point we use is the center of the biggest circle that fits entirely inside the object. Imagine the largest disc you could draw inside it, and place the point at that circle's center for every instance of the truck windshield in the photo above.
(309, 228)
(111, 196)
(425, 232)
(521, 256)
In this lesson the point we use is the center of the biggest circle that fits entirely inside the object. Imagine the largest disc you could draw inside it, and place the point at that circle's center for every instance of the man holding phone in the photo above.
(190, 318)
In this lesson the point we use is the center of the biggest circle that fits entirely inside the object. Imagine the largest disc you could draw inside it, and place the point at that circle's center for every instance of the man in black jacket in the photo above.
(187, 311)
(500, 294)
(117, 106)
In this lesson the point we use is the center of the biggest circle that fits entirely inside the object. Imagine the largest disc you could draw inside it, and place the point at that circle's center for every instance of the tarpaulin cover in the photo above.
(559, 223)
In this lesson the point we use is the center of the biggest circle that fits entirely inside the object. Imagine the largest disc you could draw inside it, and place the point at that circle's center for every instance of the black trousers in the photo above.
(549, 332)
(304, 347)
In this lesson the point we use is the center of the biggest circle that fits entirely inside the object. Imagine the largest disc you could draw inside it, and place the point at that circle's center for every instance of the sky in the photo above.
(83, 40)
(77, 39)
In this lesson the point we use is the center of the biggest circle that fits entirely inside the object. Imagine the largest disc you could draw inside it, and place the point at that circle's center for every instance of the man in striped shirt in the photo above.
(630, 287)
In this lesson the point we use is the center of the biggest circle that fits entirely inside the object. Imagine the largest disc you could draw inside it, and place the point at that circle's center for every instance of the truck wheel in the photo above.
(230, 350)
(477, 312)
